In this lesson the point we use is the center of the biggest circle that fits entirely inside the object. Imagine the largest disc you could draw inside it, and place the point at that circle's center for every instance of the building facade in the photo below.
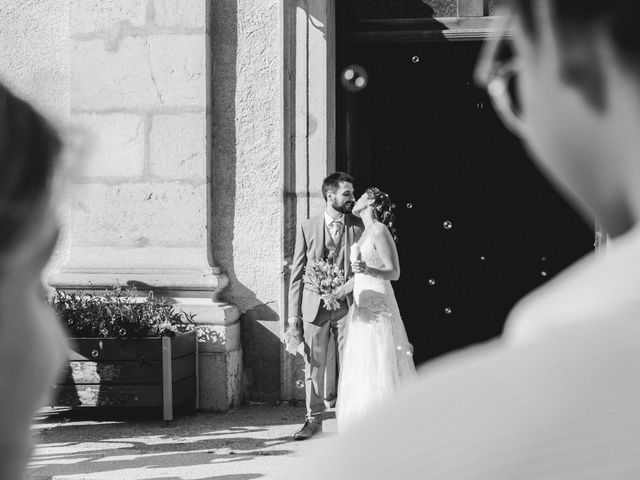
(202, 132)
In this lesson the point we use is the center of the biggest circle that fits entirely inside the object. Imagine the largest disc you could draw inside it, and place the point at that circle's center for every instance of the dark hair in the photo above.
(29, 148)
(383, 209)
(332, 182)
(620, 16)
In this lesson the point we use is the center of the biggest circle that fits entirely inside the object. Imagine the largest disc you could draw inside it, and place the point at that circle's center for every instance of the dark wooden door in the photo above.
(479, 226)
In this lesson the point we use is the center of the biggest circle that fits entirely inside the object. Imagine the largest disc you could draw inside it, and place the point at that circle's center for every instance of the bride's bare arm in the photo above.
(388, 253)
(348, 286)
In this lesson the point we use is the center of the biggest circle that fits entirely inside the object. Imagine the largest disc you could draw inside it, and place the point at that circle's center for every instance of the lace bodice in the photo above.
(369, 291)
(368, 252)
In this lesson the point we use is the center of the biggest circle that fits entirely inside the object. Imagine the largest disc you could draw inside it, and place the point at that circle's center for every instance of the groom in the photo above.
(328, 236)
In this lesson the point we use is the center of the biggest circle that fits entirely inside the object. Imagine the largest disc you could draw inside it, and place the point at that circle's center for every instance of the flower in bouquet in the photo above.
(326, 279)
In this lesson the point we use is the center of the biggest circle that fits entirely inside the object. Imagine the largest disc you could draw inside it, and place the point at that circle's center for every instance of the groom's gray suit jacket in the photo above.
(312, 241)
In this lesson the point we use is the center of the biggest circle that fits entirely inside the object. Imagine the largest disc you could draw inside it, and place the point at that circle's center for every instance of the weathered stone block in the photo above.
(35, 54)
(221, 380)
(121, 215)
(180, 13)
(179, 69)
(138, 255)
(114, 144)
(99, 15)
(178, 146)
(110, 79)
(161, 70)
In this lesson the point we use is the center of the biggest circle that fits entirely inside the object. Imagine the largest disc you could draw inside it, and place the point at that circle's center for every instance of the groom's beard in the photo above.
(345, 208)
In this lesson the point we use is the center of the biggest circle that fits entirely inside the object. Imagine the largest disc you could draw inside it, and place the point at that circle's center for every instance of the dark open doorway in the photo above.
(479, 226)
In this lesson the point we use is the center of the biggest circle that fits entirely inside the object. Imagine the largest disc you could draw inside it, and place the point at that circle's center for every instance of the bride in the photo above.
(377, 355)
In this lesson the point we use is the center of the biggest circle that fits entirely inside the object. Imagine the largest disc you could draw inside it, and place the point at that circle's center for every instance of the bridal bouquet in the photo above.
(325, 279)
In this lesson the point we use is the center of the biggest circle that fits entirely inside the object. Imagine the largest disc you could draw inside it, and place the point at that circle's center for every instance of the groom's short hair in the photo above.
(333, 181)
(619, 16)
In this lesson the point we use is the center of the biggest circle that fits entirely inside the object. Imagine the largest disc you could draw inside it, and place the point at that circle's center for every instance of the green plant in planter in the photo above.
(119, 313)
(126, 351)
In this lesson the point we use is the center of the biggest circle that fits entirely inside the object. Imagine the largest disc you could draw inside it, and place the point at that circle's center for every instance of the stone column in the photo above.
(309, 58)
(141, 200)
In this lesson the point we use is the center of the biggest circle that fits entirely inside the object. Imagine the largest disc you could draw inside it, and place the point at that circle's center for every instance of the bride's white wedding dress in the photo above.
(377, 355)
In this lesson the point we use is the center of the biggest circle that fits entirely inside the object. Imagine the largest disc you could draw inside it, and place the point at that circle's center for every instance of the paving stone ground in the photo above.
(252, 442)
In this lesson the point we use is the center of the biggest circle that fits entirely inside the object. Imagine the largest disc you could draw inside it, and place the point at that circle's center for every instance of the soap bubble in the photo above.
(432, 282)
(300, 384)
(447, 225)
(354, 78)
(415, 59)
(448, 311)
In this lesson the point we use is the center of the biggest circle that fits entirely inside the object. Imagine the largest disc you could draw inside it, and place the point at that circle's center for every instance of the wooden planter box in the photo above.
(123, 372)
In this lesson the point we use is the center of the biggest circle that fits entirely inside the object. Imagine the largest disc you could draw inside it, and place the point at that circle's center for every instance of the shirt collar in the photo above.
(328, 219)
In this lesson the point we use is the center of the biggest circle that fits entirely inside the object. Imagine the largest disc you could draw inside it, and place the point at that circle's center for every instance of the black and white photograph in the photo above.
(319, 239)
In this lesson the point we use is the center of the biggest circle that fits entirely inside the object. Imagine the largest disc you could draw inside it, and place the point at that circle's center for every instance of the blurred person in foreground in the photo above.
(558, 396)
(32, 346)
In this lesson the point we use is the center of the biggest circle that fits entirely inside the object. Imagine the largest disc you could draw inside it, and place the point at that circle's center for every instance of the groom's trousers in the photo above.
(327, 327)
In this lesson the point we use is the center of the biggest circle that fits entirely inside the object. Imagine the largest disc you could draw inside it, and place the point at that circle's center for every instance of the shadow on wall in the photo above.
(261, 347)
(261, 324)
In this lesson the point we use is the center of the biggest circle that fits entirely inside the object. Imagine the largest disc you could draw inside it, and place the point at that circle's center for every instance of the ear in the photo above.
(581, 65)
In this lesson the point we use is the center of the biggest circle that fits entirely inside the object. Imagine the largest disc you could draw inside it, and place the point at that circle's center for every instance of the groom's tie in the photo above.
(335, 228)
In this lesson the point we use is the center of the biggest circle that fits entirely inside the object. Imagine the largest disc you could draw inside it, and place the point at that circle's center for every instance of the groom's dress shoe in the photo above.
(308, 430)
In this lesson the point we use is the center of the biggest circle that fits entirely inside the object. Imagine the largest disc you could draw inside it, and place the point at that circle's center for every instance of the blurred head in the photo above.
(565, 77)
(28, 151)
(379, 204)
(32, 345)
(337, 190)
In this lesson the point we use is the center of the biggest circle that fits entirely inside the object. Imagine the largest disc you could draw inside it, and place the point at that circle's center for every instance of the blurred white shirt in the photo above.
(557, 397)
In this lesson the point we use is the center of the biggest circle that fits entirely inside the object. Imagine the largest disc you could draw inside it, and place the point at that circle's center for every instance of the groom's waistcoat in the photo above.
(334, 251)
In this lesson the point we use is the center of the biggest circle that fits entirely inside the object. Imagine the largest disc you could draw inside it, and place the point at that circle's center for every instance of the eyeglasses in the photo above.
(499, 77)
(503, 92)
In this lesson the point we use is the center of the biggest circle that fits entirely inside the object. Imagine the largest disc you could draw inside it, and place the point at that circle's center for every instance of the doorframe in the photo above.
(424, 30)
(308, 62)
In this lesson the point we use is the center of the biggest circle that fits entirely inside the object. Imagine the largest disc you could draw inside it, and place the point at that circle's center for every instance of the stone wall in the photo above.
(247, 191)
(179, 172)
(141, 199)
(35, 61)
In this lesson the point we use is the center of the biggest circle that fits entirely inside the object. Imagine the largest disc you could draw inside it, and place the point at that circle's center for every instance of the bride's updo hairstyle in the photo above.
(383, 209)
